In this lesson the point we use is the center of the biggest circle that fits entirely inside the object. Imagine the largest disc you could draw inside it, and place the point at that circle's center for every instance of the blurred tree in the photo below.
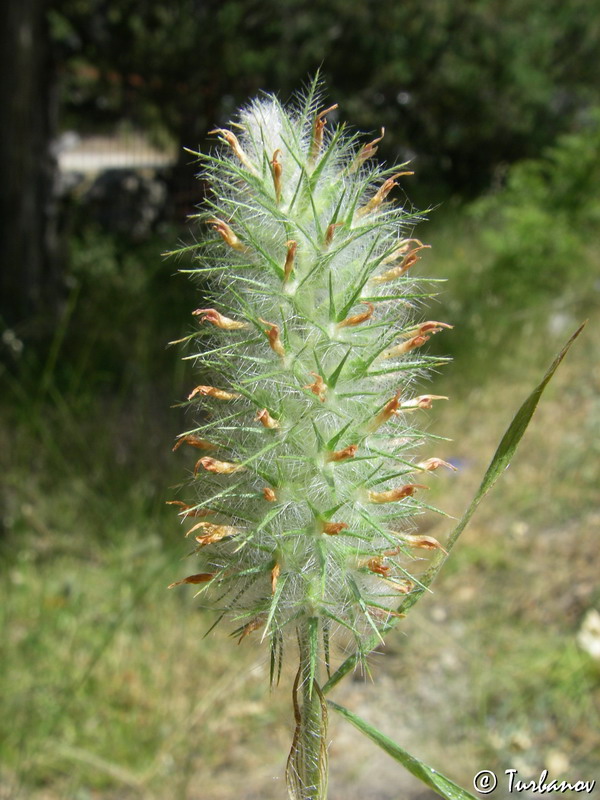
(29, 276)
(464, 84)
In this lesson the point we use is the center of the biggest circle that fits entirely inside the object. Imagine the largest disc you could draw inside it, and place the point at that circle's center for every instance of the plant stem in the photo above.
(307, 764)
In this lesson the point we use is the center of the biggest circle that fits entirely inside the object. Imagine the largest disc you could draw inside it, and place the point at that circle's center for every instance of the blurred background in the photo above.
(109, 689)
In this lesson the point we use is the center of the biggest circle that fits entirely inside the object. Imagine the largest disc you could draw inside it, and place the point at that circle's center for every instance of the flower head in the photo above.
(315, 352)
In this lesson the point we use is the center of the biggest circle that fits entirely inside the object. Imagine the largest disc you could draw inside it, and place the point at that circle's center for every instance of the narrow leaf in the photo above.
(431, 777)
(334, 377)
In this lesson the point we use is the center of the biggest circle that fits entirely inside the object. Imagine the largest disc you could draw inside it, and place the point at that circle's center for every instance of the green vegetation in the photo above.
(527, 255)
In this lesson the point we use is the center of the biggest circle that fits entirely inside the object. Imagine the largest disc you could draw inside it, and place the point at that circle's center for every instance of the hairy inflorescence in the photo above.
(309, 352)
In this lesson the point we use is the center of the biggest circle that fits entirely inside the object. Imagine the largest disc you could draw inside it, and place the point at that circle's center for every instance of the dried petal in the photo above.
(377, 566)
(358, 318)
(274, 338)
(434, 463)
(189, 511)
(395, 494)
(424, 542)
(276, 170)
(430, 327)
(292, 246)
(266, 419)
(396, 272)
(219, 467)
(331, 231)
(389, 410)
(381, 194)
(269, 494)
(179, 503)
(218, 319)
(385, 613)
(274, 576)
(232, 141)
(405, 347)
(389, 275)
(319, 387)
(216, 536)
(377, 198)
(193, 441)
(366, 152)
(201, 577)
(401, 249)
(423, 401)
(342, 455)
(251, 626)
(212, 391)
(333, 528)
(318, 127)
(228, 236)
(214, 533)
(402, 585)
(201, 526)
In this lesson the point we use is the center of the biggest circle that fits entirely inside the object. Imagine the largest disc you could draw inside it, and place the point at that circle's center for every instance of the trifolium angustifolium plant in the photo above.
(311, 469)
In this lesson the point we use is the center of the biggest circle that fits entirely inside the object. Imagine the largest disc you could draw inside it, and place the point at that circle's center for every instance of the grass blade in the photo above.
(431, 777)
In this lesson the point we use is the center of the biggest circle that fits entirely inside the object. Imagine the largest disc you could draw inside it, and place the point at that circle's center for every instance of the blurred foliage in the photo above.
(527, 254)
(131, 306)
(86, 414)
(540, 225)
(465, 85)
(123, 307)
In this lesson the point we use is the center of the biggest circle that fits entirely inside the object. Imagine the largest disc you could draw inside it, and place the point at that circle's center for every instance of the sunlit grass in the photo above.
(107, 679)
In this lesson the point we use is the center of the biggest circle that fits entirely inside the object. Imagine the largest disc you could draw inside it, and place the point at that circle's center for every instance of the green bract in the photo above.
(309, 356)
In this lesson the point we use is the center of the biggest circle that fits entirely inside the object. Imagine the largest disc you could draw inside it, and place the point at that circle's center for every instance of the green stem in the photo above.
(307, 764)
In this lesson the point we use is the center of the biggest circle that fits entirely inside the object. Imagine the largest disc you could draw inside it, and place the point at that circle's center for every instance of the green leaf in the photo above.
(276, 658)
(316, 173)
(359, 283)
(335, 439)
(336, 213)
(274, 603)
(316, 219)
(320, 439)
(335, 375)
(431, 777)
(331, 299)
